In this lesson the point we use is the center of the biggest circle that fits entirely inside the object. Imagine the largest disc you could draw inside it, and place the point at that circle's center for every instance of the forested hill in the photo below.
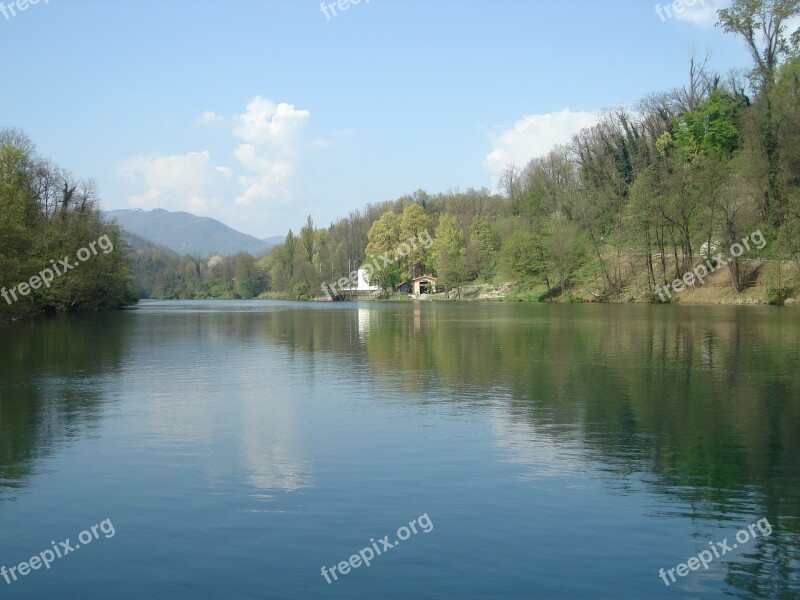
(57, 252)
(648, 196)
(643, 198)
(186, 233)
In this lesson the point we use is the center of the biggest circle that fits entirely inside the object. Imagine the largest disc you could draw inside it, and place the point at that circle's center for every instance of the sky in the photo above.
(260, 112)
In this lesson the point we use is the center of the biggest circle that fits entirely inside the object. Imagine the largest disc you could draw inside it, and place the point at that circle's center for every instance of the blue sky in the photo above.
(258, 113)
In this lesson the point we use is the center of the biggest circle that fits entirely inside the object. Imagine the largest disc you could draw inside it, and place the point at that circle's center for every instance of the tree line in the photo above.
(57, 253)
(630, 204)
(164, 274)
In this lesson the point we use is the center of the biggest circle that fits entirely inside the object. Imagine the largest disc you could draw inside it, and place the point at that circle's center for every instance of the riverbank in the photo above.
(762, 282)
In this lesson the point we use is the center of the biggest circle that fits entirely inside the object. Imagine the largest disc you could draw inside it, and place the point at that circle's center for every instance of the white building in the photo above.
(363, 286)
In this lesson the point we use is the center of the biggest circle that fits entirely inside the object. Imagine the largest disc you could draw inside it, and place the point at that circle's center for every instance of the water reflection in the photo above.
(226, 395)
(363, 322)
(699, 406)
(51, 389)
(272, 444)
(706, 398)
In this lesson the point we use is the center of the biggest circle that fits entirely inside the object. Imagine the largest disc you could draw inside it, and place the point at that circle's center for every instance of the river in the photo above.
(523, 451)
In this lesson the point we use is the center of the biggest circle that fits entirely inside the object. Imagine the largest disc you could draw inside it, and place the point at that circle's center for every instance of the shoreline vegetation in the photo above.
(716, 290)
(643, 199)
(57, 252)
(649, 197)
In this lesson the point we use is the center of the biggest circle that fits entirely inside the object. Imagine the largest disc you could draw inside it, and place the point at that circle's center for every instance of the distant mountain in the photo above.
(139, 245)
(186, 233)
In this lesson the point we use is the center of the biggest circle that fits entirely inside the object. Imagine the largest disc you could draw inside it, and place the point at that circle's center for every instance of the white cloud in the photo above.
(271, 141)
(268, 179)
(180, 182)
(210, 118)
(264, 123)
(534, 136)
(249, 157)
(274, 136)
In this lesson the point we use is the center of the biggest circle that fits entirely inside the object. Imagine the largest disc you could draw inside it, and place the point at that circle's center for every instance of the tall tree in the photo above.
(448, 254)
(289, 252)
(384, 235)
(414, 222)
(762, 25)
(483, 246)
(562, 247)
(307, 239)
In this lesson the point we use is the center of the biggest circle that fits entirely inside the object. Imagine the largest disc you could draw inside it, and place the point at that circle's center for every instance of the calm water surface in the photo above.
(557, 451)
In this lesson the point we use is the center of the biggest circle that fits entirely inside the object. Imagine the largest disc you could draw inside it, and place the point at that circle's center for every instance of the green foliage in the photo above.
(482, 249)
(46, 216)
(522, 255)
(624, 207)
(384, 235)
(448, 254)
(413, 222)
(164, 274)
(386, 277)
(563, 247)
(289, 249)
(781, 283)
(527, 291)
(712, 128)
(573, 298)
(307, 234)
(762, 26)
